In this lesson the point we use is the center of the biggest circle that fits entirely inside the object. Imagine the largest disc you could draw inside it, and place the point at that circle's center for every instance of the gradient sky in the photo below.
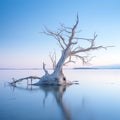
(21, 21)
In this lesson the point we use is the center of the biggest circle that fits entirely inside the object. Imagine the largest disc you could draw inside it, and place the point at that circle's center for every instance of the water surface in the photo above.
(97, 97)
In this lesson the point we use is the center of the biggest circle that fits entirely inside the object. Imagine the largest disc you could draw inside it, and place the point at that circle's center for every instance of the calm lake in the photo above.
(96, 97)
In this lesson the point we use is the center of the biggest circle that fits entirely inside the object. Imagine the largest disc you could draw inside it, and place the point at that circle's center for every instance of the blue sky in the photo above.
(21, 21)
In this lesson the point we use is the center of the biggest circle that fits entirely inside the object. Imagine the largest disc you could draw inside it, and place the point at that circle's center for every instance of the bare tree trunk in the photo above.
(57, 77)
(59, 67)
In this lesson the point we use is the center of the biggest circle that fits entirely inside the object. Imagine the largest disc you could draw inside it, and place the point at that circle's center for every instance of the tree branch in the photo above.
(58, 36)
(73, 31)
(87, 39)
(46, 72)
(88, 49)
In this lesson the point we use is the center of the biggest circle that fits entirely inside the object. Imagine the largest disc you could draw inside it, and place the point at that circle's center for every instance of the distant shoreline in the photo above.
(77, 68)
(93, 68)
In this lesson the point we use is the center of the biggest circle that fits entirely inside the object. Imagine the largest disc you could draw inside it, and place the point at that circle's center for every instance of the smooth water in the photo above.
(97, 97)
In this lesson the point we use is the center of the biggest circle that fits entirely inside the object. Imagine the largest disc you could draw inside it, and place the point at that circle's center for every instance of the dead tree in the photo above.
(69, 43)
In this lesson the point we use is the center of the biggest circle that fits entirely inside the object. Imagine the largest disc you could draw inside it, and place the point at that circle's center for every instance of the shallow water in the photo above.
(97, 97)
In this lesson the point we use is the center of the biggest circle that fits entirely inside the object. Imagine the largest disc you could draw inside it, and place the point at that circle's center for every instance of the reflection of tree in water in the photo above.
(57, 92)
